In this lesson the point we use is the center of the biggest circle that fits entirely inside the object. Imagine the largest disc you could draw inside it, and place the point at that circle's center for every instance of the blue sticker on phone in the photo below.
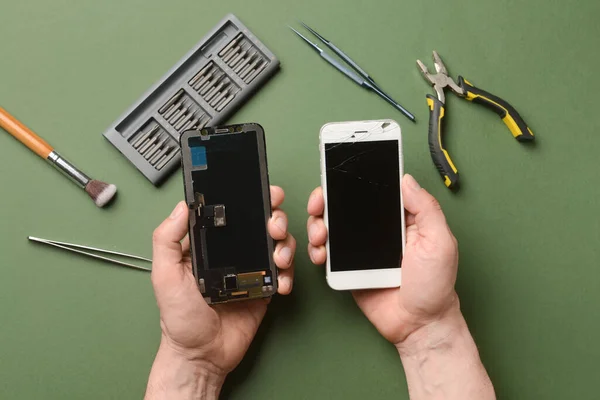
(199, 157)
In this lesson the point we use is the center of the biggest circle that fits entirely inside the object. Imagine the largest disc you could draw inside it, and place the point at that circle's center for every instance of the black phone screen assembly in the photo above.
(227, 192)
(363, 198)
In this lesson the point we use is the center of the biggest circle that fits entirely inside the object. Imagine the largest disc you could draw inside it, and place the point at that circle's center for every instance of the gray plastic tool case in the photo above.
(204, 88)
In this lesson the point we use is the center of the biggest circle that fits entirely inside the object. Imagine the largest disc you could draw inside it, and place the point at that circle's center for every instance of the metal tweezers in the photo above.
(355, 72)
(73, 247)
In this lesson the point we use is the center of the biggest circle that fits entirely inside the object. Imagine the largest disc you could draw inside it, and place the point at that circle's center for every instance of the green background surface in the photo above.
(526, 217)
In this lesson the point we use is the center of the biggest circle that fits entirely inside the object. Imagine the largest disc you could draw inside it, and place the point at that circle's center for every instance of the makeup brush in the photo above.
(102, 193)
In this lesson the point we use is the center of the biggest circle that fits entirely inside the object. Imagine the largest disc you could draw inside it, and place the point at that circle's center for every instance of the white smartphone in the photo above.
(361, 173)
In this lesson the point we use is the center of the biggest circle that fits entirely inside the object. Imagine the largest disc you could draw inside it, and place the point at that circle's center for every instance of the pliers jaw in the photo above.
(440, 80)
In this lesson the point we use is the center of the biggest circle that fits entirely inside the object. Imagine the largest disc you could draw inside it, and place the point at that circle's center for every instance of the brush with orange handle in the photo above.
(102, 193)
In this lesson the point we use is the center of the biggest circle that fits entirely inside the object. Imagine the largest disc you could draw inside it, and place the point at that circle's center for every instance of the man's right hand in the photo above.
(429, 266)
(422, 318)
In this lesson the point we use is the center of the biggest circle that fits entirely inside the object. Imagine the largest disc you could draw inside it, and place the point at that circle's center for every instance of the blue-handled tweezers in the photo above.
(360, 77)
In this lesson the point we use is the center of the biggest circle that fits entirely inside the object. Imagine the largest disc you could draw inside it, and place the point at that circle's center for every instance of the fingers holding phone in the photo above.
(315, 227)
(286, 243)
(429, 261)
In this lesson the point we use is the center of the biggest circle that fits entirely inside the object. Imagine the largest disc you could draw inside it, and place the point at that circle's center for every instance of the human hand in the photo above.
(429, 266)
(422, 318)
(208, 342)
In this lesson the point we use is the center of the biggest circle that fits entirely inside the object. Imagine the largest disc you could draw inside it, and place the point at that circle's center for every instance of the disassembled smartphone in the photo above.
(361, 172)
(227, 191)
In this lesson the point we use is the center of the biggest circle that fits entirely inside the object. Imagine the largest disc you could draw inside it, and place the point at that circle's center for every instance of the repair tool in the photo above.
(234, 42)
(218, 98)
(204, 77)
(360, 77)
(231, 54)
(245, 62)
(204, 88)
(99, 191)
(74, 248)
(466, 90)
(225, 102)
(257, 69)
(237, 58)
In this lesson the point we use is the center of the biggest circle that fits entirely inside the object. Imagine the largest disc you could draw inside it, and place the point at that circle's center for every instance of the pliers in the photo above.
(466, 90)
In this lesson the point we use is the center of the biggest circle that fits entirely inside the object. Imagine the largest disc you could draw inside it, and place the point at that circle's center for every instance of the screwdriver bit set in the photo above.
(203, 89)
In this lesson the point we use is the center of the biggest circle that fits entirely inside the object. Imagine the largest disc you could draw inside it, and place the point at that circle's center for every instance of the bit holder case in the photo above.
(203, 89)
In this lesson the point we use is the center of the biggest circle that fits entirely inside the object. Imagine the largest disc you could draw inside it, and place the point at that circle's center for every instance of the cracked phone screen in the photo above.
(363, 205)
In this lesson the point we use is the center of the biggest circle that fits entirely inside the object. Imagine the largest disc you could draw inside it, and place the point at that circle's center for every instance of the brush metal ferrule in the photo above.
(68, 169)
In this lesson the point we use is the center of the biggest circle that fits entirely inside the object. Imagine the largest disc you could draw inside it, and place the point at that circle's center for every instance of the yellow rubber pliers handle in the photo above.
(509, 115)
(439, 155)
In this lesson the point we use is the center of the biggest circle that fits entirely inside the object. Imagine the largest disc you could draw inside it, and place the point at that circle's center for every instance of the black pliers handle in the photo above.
(437, 109)
(439, 155)
(517, 125)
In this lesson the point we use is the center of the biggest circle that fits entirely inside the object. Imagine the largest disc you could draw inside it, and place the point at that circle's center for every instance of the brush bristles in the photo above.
(102, 193)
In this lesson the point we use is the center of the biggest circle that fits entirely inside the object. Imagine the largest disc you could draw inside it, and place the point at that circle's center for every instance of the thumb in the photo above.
(166, 244)
(429, 218)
